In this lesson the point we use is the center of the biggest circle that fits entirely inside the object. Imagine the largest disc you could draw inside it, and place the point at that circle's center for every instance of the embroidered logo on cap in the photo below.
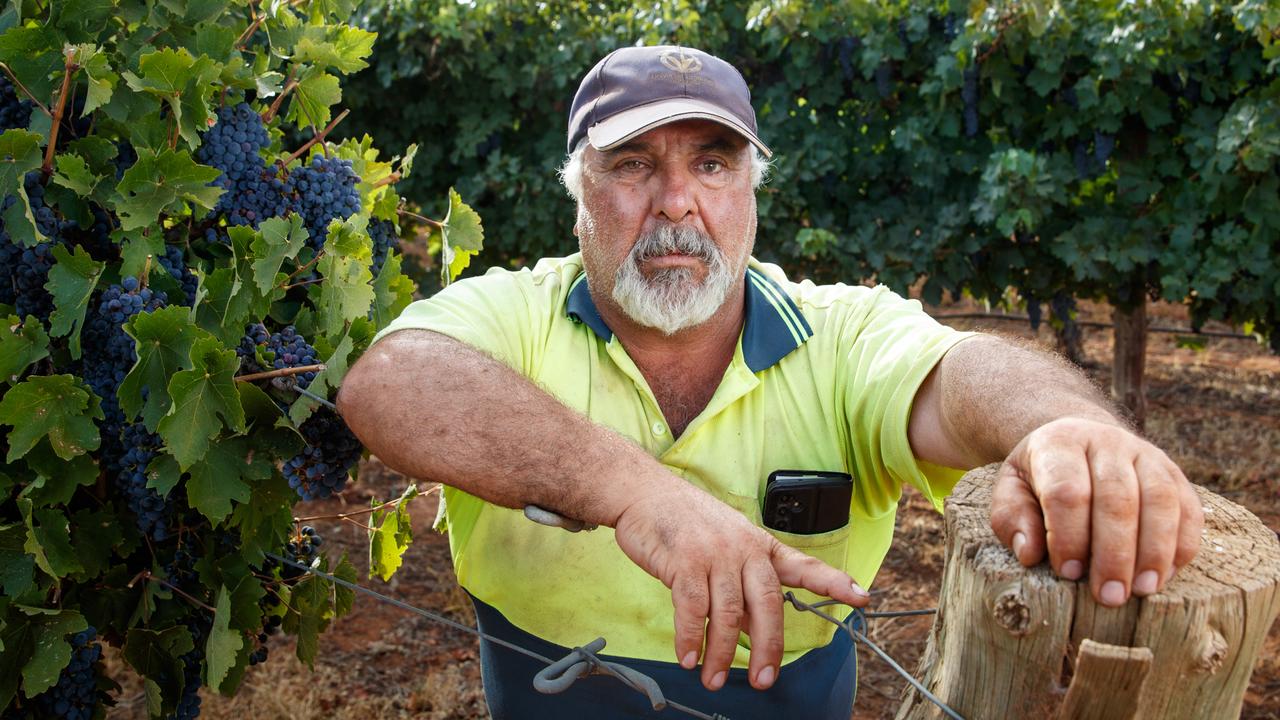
(680, 62)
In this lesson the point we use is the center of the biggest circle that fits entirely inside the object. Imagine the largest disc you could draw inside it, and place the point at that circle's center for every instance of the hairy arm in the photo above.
(489, 431)
(1077, 483)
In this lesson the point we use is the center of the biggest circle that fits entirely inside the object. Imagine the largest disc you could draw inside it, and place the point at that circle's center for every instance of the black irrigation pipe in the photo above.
(1092, 324)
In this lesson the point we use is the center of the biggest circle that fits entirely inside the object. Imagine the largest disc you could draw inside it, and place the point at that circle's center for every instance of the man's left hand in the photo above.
(1100, 499)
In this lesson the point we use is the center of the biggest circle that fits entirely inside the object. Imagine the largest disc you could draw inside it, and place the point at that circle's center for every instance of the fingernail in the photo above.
(1072, 569)
(718, 681)
(857, 590)
(1019, 541)
(765, 676)
(690, 659)
(1145, 583)
(1112, 593)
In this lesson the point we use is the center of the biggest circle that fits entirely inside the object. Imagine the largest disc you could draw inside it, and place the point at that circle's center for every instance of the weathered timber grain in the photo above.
(1007, 640)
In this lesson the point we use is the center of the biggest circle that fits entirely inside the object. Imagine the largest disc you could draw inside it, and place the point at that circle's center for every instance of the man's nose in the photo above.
(675, 193)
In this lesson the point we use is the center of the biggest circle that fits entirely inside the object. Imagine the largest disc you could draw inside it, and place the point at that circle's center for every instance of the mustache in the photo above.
(669, 239)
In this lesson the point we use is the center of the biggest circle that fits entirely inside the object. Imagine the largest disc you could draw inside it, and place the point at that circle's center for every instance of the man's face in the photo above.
(667, 221)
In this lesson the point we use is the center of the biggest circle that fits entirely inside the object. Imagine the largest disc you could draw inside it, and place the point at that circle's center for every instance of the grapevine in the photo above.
(187, 268)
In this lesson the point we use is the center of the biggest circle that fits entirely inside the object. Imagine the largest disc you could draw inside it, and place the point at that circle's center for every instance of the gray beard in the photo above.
(671, 300)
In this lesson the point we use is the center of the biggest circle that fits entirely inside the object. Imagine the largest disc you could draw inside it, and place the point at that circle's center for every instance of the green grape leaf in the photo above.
(392, 291)
(17, 638)
(344, 598)
(163, 72)
(341, 47)
(135, 248)
(74, 174)
(346, 292)
(246, 613)
(155, 656)
(96, 67)
(163, 473)
(311, 599)
(16, 564)
(223, 311)
(19, 154)
(461, 236)
(406, 162)
(99, 152)
(220, 476)
(164, 338)
(260, 519)
(49, 540)
(60, 407)
(56, 479)
(201, 396)
(21, 344)
(157, 181)
(71, 282)
(316, 92)
(52, 651)
(259, 409)
(279, 239)
(391, 535)
(223, 643)
(335, 368)
(96, 536)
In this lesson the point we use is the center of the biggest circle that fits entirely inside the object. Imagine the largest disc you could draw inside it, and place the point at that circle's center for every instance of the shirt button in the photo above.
(658, 429)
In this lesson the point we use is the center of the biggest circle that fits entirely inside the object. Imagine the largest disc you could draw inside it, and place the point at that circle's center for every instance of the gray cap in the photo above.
(635, 89)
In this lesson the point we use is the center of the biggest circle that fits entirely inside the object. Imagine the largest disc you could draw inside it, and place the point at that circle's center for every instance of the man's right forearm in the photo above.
(435, 408)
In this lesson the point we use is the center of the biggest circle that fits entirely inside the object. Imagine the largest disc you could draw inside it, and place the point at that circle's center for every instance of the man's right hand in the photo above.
(725, 575)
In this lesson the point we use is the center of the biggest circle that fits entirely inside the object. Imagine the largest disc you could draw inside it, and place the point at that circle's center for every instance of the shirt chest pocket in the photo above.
(802, 630)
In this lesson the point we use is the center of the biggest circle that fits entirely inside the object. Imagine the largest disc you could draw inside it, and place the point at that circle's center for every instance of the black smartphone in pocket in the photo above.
(807, 502)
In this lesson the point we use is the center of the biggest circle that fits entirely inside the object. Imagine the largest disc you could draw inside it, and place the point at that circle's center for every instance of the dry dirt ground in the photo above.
(1216, 411)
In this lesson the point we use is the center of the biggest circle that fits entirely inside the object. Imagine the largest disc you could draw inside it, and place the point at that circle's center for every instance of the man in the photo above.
(652, 383)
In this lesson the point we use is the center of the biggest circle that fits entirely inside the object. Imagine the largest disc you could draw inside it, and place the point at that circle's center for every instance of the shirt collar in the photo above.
(773, 326)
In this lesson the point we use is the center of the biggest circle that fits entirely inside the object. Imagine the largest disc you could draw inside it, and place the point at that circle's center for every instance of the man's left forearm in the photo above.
(987, 393)
(1076, 483)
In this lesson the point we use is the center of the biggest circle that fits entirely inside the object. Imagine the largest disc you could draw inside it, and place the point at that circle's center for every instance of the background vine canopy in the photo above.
(1091, 149)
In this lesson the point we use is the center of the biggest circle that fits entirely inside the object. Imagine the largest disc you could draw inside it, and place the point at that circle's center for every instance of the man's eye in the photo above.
(631, 165)
(711, 166)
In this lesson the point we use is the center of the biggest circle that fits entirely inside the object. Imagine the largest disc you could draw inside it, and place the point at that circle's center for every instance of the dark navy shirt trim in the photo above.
(773, 327)
(820, 684)
(581, 308)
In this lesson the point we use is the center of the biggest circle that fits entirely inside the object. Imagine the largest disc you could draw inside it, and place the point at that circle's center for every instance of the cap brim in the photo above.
(632, 123)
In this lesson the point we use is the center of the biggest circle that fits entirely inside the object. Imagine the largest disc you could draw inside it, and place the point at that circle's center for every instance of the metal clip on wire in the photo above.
(558, 676)
(546, 517)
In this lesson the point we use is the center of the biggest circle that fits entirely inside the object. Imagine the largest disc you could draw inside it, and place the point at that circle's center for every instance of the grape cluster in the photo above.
(384, 237)
(322, 467)
(25, 270)
(969, 95)
(305, 546)
(14, 111)
(285, 349)
(76, 694)
(189, 704)
(884, 79)
(845, 56)
(326, 191)
(113, 356)
(253, 192)
(175, 263)
(153, 510)
(126, 156)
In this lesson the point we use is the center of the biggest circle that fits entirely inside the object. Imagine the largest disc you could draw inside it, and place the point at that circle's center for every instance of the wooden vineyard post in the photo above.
(1013, 642)
(1129, 360)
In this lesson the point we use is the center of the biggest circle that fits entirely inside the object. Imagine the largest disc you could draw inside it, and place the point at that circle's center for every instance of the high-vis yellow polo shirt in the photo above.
(822, 379)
